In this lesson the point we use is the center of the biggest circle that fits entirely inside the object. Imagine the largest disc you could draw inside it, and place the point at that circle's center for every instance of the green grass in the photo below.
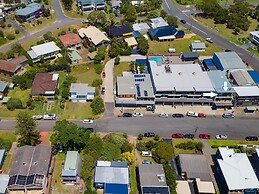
(181, 45)
(9, 30)
(224, 143)
(178, 151)
(21, 94)
(73, 13)
(31, 43)
(133, 181)
(118, 69)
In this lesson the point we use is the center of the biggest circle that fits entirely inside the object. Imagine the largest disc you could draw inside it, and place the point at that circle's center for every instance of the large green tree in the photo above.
(97, 18)
(97, 105)
(143, 45)
(163, 153)
(26, 129)
(68, 4)
(131, 14)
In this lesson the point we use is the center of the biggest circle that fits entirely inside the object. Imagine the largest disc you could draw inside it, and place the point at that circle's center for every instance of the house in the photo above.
(3, 91)
(2, 157)
(158, 22)
(81, 92)
(47, 50)
(12, 1)
(89, 5)
(246, 95)
(241, 77)
(254, 37)
(4, 179)
(228, 61)
(30, 169)
(195, 167)
(44, 84)
(198, 46)
(115, 4)
(71, 40)
(71, 170)
(116, 173)
(94, 36)
(141, 27)
(13, 66)
(152, 179)
(189, 56)
(167, 33)
(73, 57)
(131, 41)
(119, 31)
(236, 171)
(30, 12)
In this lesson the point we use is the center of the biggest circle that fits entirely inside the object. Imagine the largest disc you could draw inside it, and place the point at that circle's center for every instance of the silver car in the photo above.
(163, 115)
(221, 137)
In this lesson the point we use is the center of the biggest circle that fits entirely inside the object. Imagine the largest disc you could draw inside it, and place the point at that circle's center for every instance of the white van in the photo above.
(146, 154)
(192, 114)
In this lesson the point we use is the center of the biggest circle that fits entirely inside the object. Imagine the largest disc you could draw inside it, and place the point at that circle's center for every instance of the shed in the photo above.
(255, 76)
(189, 56)
(209, 65)
(198, 46)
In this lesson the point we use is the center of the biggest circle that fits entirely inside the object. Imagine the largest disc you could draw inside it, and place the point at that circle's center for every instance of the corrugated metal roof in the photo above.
(29, 9)
(2, 86)
(45, 48)
(116, 189)
(229, 60)
(158, 22)
(242, 78)
(81, 89)
(125, 85)
(73, 160)
(140, 26)
(198, 45)
(4, 179)
(255, 76)
(246, 91)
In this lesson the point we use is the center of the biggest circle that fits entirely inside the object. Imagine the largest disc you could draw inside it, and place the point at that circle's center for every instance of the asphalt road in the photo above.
(206, 33)
(236, 128)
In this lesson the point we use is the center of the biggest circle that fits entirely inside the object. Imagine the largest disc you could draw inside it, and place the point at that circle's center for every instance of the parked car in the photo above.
(146, 154)
(149, 134)
(209, 40)
(103, 91)
(228, 50)
(203, 115)
(146, 162)
(85, 21)
(150, 107)
(251, 138)
(189, 136)
(221, 137)
(163, 115)
(103, 74)
(37, 117)
(49, 117)
(228, 115)
(204, 136)
(183, 21)
(177, 135)
(88, 121)
(177, 115)
(192, 114)
(126, 114)
(137, 114)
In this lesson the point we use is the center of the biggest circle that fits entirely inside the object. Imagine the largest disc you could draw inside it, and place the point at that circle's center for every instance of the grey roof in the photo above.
(32, 54)
(125, 85)
(243, 91)
(72, 164)
(242, 78)
(2, 153)
(152, 175)
(4, 179)
(144, 85)
(30, 8)
(158, 22)
(230, 60)
(195, 165)
(218, 80)
(181, 77)
(45, 48)
(140, 26)
(190, 54)
(2, 86)
(237, 170)
(31, 160)
(81, 89)
(198, 45)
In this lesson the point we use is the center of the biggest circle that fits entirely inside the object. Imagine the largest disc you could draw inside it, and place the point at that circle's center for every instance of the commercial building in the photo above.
(89, 5)
(254, 37)
(80, 92)
(30, 169)
(152, 179)
(198, 46)
(246, 95)
(31, 11)
(241, 78)
(72, 167)
(236, 171)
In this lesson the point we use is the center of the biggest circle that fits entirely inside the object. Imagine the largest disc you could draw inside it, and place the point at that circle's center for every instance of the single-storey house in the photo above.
(80, 92)
(165, 33)
(114, 172)
(44, 84)
(88, 5)
(73, 57)
(30, 169)
(2, 158)
(11, 67)
(131, 41)
(119, 31)
(198, 46)
(31, 11)
(158, 22)
(152, 179)
(71, 40)
(189, 56)
(94, 36)
(3, 91)
(47, 50)
(4, 179)
(141, 27)
(71, 171)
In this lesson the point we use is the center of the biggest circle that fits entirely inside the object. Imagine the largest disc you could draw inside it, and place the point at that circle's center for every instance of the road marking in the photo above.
(197, 29)
(167, 4)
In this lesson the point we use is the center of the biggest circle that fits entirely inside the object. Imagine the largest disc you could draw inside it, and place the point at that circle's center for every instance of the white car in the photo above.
(37, 117)
(221, 137)
(137, 114)
(88, 121)
(192, 114)
(209, 40)
(163, 115)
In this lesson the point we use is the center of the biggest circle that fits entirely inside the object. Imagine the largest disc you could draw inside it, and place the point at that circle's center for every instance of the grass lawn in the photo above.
(73, 13)
(182, 45)
(9, 30)
(230, 143)
(21, 94)
(78, 111)
(178, 151)
(31, 43)
(118, 69)
(133, 181)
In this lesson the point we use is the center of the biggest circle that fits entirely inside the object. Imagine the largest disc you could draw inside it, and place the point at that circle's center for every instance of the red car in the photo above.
(104, 74)
(177, 135)
(202, 115)
(204, 136)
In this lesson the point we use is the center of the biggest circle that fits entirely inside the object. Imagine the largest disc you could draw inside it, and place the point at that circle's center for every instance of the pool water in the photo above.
(157, 59)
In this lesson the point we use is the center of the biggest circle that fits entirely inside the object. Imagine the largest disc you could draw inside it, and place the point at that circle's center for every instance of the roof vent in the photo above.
(180, 73)
(193, 73)
(168, 69)
(161, 177)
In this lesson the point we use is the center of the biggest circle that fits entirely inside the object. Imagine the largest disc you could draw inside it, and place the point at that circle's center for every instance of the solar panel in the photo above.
(138, 91)
(139, 80)
(21, 180)
(139, 75)
(30, 180)
(145, 93)
(12, 180)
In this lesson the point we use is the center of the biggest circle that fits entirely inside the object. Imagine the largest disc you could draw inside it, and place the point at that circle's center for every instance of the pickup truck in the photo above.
(49, 117)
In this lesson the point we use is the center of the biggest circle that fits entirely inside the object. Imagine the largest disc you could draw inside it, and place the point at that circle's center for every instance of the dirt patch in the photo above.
(138, 158)
(44, 138)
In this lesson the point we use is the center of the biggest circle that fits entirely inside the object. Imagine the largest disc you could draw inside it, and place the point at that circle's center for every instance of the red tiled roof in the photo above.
(43, 82)
(70, 39)
(11, 65)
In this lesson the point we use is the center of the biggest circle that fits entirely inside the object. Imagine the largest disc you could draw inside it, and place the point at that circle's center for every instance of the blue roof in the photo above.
(255, 76)
(136, 34)
(142, 61)
(209, 62)
(110, 188)
(30, 8)
(2, 86)
(165, 31)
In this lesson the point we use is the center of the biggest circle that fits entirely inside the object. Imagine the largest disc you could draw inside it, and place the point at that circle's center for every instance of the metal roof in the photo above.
(45, 48)
(110, 188)
(183, 187)
(2, 154)
(243, 91)
(74, 55)
(29, 9)
(229, 60)
(198, 45)
(195, 165)
(190, 54)
(73, 161)
(255, 76)
(242, 77)
(125, 85)
(4, 179)
(219, 80)
(81, 89)
(2, 86)
(140, 26)
(181, 77)
(237, 170)
(95, 35)
(158, 22)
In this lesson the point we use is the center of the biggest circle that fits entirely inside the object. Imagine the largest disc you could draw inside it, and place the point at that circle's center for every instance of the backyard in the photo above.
(118, 69)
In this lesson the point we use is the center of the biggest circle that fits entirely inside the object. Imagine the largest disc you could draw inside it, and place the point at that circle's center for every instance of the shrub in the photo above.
(151, 145)
(17, 31)
(140, 136)
(98, 68)
(63, 32)
(140, 146)
(14, 103)
(10, 36)
(199, 146)
(9, 25)
(97, 82)
(91, 49)
(157, 137)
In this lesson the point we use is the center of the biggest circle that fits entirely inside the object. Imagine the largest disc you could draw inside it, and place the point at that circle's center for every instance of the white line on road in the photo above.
(197, 29)
(167, 4)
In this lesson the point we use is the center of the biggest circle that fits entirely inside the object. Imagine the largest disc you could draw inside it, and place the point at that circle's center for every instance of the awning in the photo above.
(166, 37)
(251, 108)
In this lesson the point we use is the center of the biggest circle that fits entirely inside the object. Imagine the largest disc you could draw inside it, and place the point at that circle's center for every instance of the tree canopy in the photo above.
(143, 45)
(97, 105)
(163, 153)
(97, 18)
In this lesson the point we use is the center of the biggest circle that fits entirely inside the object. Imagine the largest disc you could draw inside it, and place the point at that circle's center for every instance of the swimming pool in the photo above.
(157, 59)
